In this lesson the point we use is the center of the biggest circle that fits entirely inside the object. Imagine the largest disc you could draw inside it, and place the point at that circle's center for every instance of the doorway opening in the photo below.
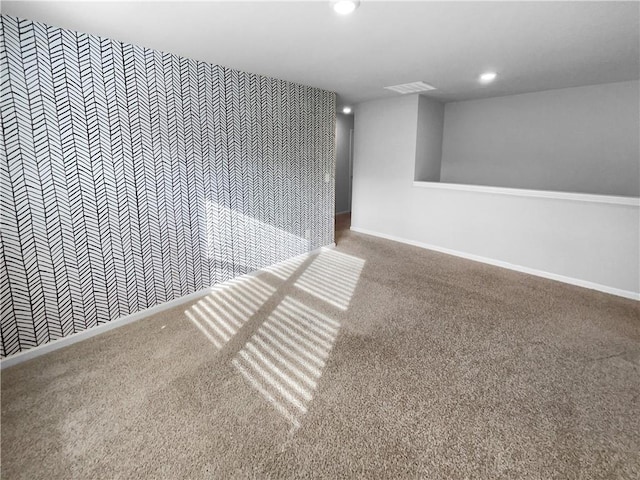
(344, 170)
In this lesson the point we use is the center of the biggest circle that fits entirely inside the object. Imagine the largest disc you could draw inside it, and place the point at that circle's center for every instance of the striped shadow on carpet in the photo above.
(285, 355)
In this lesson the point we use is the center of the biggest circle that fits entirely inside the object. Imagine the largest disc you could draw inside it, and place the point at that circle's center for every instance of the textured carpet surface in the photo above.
(374, 360)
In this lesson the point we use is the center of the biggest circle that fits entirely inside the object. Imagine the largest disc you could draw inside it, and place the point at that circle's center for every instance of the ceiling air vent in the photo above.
(411, 87)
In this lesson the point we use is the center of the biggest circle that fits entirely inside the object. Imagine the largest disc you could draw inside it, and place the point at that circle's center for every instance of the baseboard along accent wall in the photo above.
(62, 342)
(132, 177)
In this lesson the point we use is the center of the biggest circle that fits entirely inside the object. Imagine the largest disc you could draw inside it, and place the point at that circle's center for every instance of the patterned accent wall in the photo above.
(131, 177)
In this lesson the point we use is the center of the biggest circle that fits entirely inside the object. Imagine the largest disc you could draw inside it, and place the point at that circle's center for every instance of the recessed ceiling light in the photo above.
(487, 77)
(346, 110)
(345, 7)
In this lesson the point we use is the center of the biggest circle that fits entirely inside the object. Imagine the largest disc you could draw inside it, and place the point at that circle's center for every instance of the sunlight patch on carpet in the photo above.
(284, 359)
(221, 314)
(332, 277)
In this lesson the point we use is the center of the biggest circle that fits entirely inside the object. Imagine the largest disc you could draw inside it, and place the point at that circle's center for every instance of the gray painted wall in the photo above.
(429, 139)
(589, 242)
(344, 125)
(582, 139)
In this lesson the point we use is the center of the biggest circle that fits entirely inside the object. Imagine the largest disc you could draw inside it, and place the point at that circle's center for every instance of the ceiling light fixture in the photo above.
(487, 77)
(346, 110)
(345, 7)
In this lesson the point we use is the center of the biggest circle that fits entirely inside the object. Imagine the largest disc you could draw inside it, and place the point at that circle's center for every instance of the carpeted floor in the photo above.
(374, 360)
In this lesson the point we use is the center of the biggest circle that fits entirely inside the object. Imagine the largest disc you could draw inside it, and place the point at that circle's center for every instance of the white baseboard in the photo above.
(93, 331)
(122, 321)
(499, 263)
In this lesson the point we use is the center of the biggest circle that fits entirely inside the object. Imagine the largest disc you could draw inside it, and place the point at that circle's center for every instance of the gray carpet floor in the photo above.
(374, 360)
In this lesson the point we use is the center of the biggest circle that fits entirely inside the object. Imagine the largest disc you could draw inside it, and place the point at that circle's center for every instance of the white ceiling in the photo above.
(532, 45)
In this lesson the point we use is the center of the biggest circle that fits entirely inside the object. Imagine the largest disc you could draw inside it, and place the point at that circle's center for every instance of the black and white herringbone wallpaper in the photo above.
(131, 177)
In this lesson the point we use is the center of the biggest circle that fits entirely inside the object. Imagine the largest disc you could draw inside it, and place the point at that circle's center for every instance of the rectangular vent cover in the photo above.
(411, 87)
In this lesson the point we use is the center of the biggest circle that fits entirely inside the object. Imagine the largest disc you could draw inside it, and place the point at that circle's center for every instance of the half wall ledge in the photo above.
(519, 192)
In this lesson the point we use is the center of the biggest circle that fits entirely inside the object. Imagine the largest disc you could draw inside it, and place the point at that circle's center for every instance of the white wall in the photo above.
(429, 139)
(344, 125)
(589, 242)
(582, 139)
(383, 162)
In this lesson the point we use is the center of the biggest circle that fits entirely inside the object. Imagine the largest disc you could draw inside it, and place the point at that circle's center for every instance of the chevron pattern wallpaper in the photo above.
(131, 177)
